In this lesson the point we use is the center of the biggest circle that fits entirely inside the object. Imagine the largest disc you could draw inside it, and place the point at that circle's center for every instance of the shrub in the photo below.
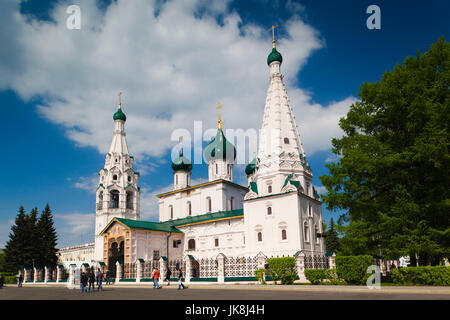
(10, 279)
(430, 276)
(315, 276)
(353, 269)
(259, 274)
(331, 276)
(283, 269)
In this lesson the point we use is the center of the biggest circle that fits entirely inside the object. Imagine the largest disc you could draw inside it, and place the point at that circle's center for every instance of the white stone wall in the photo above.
(219, 193)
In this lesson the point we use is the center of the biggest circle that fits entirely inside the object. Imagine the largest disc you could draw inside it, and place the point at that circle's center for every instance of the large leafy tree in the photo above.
(393, 178)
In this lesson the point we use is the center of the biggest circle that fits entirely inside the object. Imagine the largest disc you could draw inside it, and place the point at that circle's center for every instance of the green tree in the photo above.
(393, 178)
(48, 238)
(332, 238)
(16, 250)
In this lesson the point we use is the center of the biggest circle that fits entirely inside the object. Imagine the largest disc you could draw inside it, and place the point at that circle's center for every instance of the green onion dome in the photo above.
(274, 56)
(220, 148)
(251, 167)
(182, 163)
(119, 115)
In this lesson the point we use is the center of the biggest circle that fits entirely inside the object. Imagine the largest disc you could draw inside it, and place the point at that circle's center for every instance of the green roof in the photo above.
(147, 225)
(170, 226)
(206, 217)
(274, 56)
(181, 163)
(220, 148)
(119, 115)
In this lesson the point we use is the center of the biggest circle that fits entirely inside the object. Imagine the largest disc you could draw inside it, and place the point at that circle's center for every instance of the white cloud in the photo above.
(74, 228)
(172, 69)
(320, 189)
(88, 183)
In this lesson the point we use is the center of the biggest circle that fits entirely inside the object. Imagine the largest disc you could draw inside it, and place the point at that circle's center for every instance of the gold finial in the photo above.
(120, 99)
(219, 106)
(273, 34)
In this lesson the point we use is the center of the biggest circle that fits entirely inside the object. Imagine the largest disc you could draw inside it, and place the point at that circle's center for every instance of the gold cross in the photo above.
(120, 99)
(219, 106)
(273, 34)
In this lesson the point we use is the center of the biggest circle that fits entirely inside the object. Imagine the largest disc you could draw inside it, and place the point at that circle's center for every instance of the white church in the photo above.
(277, 214)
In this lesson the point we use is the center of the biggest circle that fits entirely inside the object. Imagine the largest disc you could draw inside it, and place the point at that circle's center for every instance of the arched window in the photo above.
(129, 178)
(129, 200)
(306, 231)
(189, 208)
(208, 204)
(171, 212)
(100, 201)
(231, 203)
(283, 234)
(269, 189)
(269, 210)
(259, 236)
(286, 141)
(191, 244)
(217, 169)
(310, 211)
(176, 179)
(316, 231)
(114, 199)
(115, 177)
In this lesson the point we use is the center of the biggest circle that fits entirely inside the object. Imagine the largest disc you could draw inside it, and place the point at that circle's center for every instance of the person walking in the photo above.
(19, 283)
(168, 274)
(180, 281)
(156, 276)
(99, 280)
(91, 282)
(83, 282)
(107, 277)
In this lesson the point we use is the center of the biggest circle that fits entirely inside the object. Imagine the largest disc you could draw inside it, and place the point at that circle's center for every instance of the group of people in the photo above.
(91, 278)
(156, 276)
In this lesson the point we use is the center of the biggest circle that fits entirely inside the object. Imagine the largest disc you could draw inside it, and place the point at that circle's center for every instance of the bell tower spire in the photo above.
(118, 192)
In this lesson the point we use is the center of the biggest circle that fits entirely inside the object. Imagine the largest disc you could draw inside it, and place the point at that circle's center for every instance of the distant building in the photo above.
(77, 255)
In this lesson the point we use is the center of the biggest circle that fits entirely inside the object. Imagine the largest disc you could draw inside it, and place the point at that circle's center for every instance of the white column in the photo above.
(187, 276)
(221, 268)
(332, 261)
(162, 269)
(46, 274)
(35, 275)
(139, 268)
(300, 264)
(58, 273)
(27, 275)
(118, 272)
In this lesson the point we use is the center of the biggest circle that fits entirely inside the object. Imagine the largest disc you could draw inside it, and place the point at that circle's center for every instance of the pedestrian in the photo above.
(180, 281)
(91, 282)
(19, 285)
(99, 280)
(107, 276)
(168, 274)
(156, 276)
(83, 282)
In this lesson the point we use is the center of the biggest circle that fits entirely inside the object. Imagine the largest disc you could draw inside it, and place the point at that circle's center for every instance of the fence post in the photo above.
(221, 268)
(35, 275)
(118, 272)
(46, 274)
(27, 275)
(187, 276)
(162, 268)
(58, 273)
(332, 261)
(300, 264)
(139, 268)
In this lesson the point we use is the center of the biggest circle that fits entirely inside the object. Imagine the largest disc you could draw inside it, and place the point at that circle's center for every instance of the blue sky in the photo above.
(58, 88)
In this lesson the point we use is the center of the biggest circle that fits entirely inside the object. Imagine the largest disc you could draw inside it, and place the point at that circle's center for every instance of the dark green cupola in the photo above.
(274, 56)
(220, 148)
(182, 163)
(119, 115)
(251, 167)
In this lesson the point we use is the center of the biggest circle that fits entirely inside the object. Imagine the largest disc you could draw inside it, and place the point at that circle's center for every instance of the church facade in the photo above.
(277, 214)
